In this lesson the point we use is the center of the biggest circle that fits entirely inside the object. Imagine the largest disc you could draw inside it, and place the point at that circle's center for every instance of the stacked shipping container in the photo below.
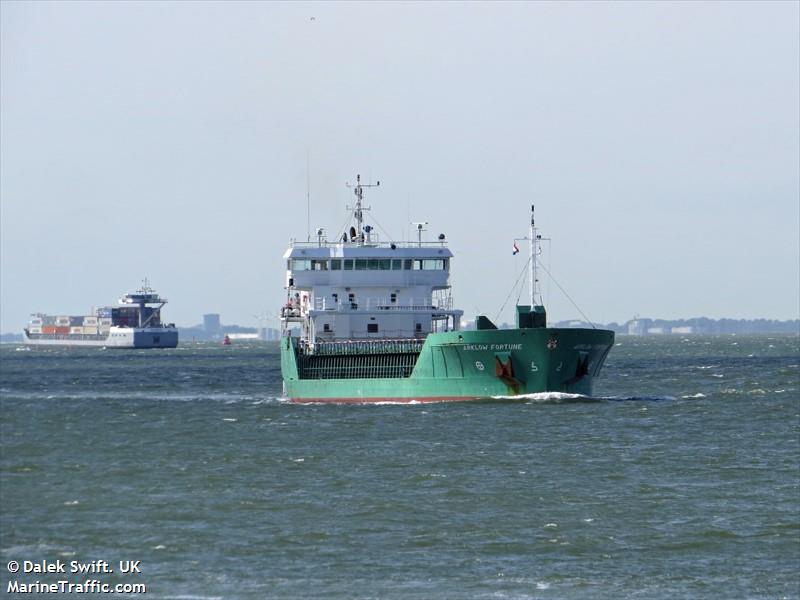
(98, 323)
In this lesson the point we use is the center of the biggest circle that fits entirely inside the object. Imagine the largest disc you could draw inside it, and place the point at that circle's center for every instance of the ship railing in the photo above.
(68, 336)
(359, 366)
(349, 347)
(374, 242)
(436, 308)
(443, 299)
(364, 335)
(376, 304)
(405, 307)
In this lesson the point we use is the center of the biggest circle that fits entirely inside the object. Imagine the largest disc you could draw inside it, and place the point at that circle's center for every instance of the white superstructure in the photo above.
(357, 288)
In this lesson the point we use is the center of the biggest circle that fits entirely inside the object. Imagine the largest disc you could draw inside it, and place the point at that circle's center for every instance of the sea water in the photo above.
(679, 479)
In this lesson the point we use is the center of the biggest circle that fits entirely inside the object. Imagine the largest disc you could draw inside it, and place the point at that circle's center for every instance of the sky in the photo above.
(178, 141)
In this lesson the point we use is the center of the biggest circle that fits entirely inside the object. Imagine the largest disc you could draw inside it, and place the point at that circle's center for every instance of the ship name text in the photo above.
(493, 347)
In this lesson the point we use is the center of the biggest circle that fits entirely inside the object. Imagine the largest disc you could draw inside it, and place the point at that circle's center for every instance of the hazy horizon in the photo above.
(660, 143)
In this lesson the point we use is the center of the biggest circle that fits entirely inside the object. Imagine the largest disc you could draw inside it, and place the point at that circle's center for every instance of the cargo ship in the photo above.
(367, 321)
(134, 323)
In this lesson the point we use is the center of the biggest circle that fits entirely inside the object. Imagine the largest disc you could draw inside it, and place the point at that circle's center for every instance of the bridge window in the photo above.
(427, 264)
(373, 264)
(336, 264)
(301, 264)
(379, 264)
(407, 263)
(432, 264)
(319, 265)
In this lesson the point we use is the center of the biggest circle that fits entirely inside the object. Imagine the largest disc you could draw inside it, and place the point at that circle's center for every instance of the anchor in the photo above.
(504, 370)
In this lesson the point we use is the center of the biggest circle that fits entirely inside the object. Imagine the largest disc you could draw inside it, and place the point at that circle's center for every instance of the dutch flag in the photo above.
(515, 250)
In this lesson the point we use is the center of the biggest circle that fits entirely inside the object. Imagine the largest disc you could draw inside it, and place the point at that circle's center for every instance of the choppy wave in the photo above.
(192, 597)
(646, 398)
(355, 502)
(227, 398)
(564, 397)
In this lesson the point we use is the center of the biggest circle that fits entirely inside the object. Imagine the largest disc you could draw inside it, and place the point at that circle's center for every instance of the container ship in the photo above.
(368, 321)
(135, 323)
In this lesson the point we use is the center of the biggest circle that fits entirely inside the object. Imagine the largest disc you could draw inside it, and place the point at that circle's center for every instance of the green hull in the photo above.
(454, 366)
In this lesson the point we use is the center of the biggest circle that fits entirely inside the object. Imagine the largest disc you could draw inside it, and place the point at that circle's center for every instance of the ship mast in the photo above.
(533, 250)
(357, 209)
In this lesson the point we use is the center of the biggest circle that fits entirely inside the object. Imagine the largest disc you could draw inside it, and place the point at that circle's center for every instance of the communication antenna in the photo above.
(420, 228)
(308, 195)
(358, 190)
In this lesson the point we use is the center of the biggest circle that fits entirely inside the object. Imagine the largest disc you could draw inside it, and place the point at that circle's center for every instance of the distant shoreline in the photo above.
(636, 327)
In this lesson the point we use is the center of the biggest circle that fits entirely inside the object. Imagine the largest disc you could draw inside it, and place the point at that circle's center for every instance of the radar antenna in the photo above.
(420, 225)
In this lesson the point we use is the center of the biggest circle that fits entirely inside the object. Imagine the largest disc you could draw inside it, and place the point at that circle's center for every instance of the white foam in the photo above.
(381, 403)
(32, 549)
(697, 395)
(543, 397)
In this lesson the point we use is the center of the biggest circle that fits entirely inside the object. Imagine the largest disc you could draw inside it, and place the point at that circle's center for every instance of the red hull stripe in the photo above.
(425, 400)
